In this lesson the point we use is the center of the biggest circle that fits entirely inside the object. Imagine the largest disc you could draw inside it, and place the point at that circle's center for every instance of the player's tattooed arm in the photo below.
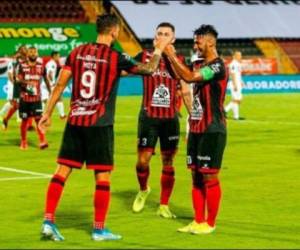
(150, 67)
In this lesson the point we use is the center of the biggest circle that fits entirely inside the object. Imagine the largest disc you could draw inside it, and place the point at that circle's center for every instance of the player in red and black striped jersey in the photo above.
(158, 119)
(207, 137)
(20, 56)
(88, 136)
(29, 77)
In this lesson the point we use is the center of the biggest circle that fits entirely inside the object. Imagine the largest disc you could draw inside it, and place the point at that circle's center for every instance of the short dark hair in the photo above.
(32, 47)
(205, 29)
(166, 24)
(105, 22)
(54, 53)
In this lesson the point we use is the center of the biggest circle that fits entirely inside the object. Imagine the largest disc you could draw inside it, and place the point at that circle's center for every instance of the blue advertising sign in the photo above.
(132, 85)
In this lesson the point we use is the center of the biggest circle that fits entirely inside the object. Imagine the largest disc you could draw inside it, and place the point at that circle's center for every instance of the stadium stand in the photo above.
(292, 49)
(271, 48)
(42, 11)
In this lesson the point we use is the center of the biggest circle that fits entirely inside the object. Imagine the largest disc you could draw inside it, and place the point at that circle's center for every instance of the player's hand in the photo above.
(44, 123)
(170, 50)
(161, 43)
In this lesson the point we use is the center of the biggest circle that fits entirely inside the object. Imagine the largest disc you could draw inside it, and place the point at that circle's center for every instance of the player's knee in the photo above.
(102, 175)
(210, 177)
(142, 164)
(143, 160)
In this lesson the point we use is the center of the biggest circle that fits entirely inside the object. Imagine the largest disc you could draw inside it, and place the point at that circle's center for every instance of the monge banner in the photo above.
(45, 37)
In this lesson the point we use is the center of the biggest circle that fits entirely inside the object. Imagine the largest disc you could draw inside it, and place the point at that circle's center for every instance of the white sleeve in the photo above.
(10, 67)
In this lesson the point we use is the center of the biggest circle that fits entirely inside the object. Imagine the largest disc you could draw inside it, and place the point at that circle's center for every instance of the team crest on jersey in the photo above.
(197, 110)
(161, 97)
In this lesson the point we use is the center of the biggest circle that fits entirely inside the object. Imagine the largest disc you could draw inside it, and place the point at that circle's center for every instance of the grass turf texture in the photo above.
(259, 177)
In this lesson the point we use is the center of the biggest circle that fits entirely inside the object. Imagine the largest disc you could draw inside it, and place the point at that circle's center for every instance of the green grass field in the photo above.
(260, 180)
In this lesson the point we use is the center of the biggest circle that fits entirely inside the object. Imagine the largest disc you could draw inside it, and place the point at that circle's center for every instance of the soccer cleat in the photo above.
(164, 211)
(197, 228)
(239, 119)
(140, 200)
(104, 234)
(44, 145)
(186, 229)
(50, 232)
(4, 124)
(23, 145)
(202, 228)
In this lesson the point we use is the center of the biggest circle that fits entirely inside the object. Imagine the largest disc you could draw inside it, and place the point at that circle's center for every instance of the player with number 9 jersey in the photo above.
(88, 137)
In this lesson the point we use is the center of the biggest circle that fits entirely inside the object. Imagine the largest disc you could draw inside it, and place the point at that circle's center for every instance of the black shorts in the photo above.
(30, 109)
(205, 152)
(93, 146)
(16, 91)
(150, 129)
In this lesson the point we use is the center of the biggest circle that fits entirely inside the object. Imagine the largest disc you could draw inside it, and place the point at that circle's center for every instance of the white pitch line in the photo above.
(24, 171)
(24, 178)
(270, 121)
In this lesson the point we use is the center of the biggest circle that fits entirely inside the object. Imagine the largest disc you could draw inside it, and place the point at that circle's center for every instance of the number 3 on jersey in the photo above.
(88, 80)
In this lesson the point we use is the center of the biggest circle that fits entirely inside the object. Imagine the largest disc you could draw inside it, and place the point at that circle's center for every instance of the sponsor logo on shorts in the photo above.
(203, 158)
(173, 138)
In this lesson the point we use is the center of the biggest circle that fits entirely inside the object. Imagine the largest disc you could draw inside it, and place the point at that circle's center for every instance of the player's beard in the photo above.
(32, 59)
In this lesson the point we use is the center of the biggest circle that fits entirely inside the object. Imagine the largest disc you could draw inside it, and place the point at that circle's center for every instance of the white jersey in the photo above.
(10, 84)
(235, 68)
(50, 67)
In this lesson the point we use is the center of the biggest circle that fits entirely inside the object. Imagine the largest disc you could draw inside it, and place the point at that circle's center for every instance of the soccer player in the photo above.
(88, 137)
(158, 119)
(21, 56)
(207, 137)
(10, 81)
(29, 78)
(52, 69)
(235, 85)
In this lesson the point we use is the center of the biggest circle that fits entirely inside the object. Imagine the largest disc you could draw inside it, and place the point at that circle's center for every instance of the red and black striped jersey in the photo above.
(95, 70)
(207, 115)
(33, 74)
(159, 89)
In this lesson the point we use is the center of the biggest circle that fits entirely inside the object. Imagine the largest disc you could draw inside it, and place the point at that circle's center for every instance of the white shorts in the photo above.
(44, 92)
(10, 91)
(236, 95)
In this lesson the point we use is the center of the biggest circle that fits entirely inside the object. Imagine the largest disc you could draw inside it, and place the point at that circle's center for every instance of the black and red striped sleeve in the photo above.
(127, 63)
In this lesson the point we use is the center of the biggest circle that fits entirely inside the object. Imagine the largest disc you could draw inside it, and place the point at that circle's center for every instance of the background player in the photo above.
(88, 136)
(207, 137)
(10, 86)
(158, 118)
(52, 68)
(29, 78)
(235, 85)
(21, 56)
